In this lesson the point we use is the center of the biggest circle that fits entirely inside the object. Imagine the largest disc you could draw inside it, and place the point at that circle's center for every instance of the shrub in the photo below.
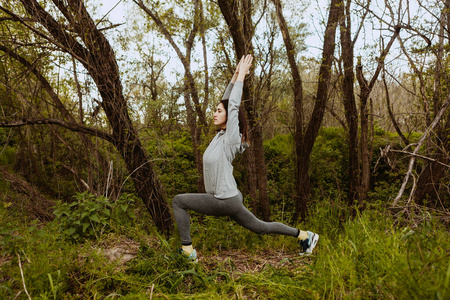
(329, 163)
(90, 216)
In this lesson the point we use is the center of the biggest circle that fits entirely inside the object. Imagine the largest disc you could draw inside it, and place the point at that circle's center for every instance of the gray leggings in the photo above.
(209, 205)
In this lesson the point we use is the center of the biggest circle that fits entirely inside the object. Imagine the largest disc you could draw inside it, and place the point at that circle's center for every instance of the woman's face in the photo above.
(220, 116)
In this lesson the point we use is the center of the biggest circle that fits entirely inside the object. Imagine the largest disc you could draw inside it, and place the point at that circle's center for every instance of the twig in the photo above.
(151, 291)
(109, 177)
(413, 189)
(21, 274)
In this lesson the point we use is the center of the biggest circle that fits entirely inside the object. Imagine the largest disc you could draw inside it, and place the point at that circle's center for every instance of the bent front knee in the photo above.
(176, 201)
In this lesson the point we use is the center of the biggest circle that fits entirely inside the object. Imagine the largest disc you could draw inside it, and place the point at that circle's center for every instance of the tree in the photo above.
(359, 153)
(432, 87)
(81, 38)
(304, 136)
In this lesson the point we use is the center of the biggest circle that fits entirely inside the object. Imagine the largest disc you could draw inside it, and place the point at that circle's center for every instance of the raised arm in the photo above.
(232, 132)
(227, 93)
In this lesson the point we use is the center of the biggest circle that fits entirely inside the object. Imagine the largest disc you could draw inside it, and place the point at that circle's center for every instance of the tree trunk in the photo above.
(351, 112)
(365, 147)
(242, 37)
(304, 152)
(99, 59)
(364, 141)
(301, 176)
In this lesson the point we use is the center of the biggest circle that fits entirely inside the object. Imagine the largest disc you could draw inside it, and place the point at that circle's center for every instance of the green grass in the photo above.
(361, 258)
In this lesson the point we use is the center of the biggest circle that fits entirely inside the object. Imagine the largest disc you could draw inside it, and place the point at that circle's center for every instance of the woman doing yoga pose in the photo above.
(222, 198)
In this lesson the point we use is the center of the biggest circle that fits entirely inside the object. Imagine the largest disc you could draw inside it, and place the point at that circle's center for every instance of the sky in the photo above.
(314, 16)
(116, 11)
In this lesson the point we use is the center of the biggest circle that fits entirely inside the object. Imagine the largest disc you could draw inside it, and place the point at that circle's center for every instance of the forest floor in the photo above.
(235, 261)
(365, 257)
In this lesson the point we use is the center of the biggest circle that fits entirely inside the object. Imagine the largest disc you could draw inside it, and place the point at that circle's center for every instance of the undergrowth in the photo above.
(363, 257)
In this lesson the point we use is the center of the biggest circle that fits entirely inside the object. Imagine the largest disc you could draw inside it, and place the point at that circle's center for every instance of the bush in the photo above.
(329, 163)
(90, 216)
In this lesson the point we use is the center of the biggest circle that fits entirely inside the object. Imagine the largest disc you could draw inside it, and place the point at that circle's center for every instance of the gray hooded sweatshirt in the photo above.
(217, 159)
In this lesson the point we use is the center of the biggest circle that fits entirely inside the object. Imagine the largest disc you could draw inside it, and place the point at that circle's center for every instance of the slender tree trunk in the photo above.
(351, 112)
(304, 152)
(364, 142)
(301, 179)
(365, 147)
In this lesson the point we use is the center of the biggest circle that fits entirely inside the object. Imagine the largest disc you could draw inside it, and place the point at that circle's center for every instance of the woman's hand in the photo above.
(236, 73)
(243, 67)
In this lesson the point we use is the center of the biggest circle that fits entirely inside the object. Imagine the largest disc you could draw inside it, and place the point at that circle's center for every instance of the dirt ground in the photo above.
(235, 261)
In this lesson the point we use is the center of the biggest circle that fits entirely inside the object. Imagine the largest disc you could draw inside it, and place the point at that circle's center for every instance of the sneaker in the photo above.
(191, 257)
(307, 245)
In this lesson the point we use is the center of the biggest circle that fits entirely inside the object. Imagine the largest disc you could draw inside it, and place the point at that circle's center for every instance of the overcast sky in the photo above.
(117, 10)
(314, 16)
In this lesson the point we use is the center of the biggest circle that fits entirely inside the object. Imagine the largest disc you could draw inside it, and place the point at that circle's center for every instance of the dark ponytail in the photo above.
(242, 120)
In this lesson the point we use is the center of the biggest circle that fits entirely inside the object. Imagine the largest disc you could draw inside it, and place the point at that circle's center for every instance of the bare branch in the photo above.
(53, 27)
(433, 124)
(420, 156)
(391, 114)
(68, 125)
(184, 58)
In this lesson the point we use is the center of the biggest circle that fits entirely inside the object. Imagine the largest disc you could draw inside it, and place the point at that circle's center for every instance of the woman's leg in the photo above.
(248, 220)
(308, 239)
(233, 207)
(203, 203)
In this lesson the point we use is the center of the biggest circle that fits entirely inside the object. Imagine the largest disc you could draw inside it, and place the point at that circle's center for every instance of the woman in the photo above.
(222, 197)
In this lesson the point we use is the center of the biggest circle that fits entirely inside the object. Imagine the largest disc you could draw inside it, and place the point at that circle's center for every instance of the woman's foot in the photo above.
(191, 257)
(307, 245)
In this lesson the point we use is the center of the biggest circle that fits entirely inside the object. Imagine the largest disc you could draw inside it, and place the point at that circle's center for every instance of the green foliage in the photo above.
(364, 257)
(329, 162)
(278, 153)
(176, 168)
(170, 271)
(10, 240)
(369, 257)
(89, 216)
